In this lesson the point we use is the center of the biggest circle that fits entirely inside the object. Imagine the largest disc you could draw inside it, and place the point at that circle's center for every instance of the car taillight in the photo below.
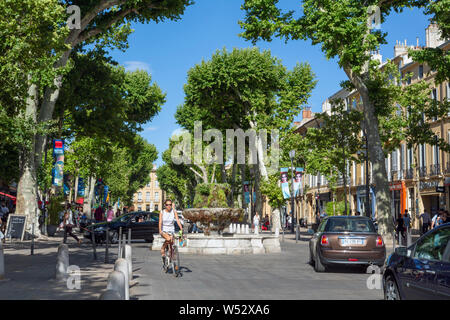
(379, 241)
(324, 240)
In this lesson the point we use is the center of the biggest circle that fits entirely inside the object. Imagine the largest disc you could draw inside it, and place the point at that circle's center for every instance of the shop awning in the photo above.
(8, 195)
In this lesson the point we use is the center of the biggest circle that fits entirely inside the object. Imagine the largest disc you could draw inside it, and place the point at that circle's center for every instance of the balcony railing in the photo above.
(408, 173)
(394, 175)
(340, 181)
(423, 172)
(435, 169)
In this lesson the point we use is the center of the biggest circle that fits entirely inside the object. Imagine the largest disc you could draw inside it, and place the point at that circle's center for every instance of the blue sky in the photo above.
(168, 50)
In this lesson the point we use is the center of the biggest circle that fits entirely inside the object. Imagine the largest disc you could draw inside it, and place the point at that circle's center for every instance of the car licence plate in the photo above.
(352, 241)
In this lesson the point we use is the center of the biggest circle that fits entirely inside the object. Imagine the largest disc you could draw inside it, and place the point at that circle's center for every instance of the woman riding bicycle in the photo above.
(166, 225)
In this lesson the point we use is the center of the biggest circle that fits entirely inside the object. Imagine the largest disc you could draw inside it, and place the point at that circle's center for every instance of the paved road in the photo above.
(285, 275)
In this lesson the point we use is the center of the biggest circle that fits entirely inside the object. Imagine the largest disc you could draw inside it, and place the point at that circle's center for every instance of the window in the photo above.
(434, 97)
(147, 207)
(156, 184)
(147, 196)
(422, 158)
(139, 208)
(354, 103)
(420, 71)
(156, 196)
(156, 207)
(432, 247)
(140, 196)
(436, 152)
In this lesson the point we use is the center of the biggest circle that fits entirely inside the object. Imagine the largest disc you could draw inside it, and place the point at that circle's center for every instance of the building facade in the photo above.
(419, 179)
(151, 196)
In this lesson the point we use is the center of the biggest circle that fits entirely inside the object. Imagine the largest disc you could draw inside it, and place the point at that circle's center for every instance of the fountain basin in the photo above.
(238, 244)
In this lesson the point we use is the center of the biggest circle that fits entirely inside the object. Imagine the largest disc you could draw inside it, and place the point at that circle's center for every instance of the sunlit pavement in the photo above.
(285, 275)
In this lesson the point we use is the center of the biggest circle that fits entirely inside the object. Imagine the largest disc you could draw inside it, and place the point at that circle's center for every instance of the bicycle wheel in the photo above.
(176, 261)
(167, 260)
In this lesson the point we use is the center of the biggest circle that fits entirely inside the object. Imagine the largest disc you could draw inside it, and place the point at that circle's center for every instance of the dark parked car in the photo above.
(350, 240)
(143, 225)
(421, 271)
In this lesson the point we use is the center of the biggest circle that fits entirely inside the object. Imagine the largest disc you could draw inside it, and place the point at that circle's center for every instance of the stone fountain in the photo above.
(214, 221)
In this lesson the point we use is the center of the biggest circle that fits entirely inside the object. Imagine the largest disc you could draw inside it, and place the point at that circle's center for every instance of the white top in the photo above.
(256, 220)
(69, 219)
(167, 221)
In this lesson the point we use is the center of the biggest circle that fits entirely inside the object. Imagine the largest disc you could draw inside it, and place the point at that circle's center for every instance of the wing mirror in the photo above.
(402, 251)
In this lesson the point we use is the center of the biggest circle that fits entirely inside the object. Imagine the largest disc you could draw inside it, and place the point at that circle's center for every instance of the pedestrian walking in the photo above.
(109, 214)
(118, 213)
(256, 222)
(400, 229)
(99, 214)
(426, 221)
(435, 219)
(69, 224)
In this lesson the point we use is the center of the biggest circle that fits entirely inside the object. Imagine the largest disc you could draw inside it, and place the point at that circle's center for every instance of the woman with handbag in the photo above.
(68, 225)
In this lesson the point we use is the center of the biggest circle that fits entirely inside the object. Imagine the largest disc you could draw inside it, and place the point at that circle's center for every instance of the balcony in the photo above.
(435, 169)
(422, 172)
(340, 181)
(408, 173)
(394, 175)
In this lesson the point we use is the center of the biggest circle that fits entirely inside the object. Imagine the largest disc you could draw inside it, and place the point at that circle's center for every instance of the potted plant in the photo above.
(54, 208)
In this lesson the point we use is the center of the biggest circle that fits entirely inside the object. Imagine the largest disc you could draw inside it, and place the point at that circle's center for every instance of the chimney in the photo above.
(400, 49)
(433, 36)
(307, 114)
(376, 55)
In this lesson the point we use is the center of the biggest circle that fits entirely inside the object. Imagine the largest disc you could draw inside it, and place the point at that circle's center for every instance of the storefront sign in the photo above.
(395, 186)
(440, 189)
(428, 185)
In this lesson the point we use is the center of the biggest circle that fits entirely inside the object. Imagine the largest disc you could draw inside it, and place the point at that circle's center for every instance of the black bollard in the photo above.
(129, 236)
(107, 245)
(93, 243)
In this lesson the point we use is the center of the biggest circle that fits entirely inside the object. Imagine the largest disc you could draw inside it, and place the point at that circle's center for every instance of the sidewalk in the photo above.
(31, 277)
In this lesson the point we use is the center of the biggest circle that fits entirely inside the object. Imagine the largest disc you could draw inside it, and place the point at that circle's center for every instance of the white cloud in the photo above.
(151, 129)
(135, 65)
(178, 132)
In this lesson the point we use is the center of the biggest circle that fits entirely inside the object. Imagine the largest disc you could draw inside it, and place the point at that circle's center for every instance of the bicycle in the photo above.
(172, 260)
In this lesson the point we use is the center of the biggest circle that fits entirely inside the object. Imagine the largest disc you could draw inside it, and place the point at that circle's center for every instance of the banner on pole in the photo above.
(247, 192)
(298, 188)
(285, 183)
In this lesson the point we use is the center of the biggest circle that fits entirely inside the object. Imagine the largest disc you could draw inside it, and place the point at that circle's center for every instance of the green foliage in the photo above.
(336, 208)
(56, 205)
(328, 149)
(212, 195)
(272, 190)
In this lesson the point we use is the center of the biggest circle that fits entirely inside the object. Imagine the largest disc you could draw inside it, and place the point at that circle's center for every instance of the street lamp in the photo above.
(291, 156)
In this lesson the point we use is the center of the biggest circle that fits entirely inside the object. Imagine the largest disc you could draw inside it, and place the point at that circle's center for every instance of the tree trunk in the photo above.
(232, 185)
(27, 186)
(89, 195)
(276, 221)
(76, 187)
(377, 158)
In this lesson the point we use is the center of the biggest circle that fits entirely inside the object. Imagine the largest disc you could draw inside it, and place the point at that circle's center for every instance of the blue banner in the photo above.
(285, 183)
(105, 194)
(247, 191)
(81, 187)
(298, 181)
